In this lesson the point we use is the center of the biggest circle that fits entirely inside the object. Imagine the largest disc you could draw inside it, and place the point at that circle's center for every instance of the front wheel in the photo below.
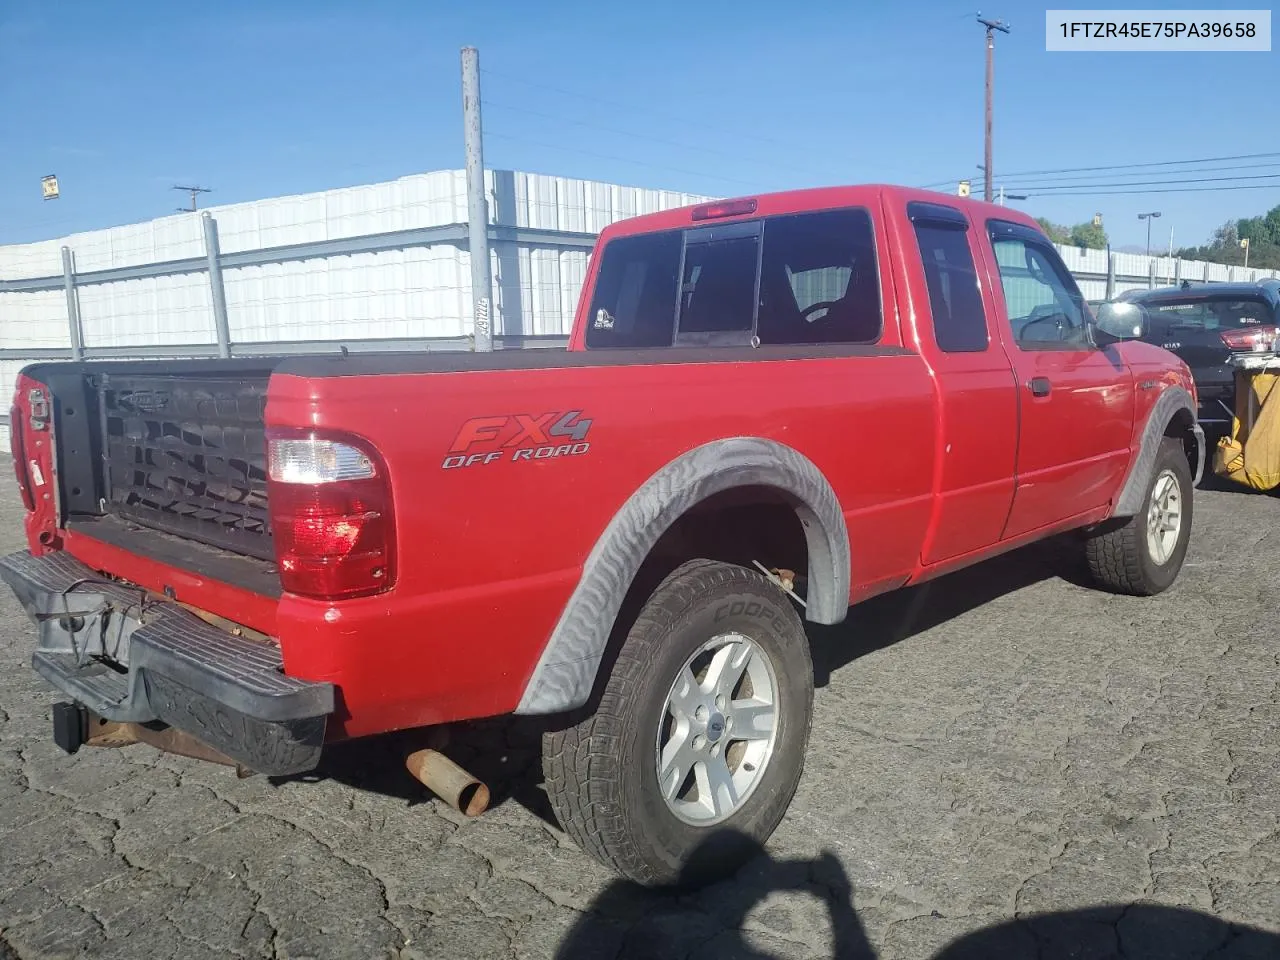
(1143, 554)
(696, 748)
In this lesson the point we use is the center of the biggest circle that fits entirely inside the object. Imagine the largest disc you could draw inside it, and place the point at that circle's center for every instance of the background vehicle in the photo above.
(770, 408)
(1205, 324)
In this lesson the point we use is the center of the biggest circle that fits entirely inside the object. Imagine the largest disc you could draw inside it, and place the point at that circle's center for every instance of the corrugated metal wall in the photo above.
(411, 292)
(414, 291)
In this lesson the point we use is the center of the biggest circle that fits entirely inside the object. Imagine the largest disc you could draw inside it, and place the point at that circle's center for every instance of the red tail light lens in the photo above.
(1260, 338)
(725, 208)
(331, 517)
(19, 451)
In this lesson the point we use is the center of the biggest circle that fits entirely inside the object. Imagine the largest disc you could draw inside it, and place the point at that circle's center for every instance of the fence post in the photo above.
(477, 208)
(1177, 272)
(1111, 275)
(1151, 274)
(220, 325)
(73, 305)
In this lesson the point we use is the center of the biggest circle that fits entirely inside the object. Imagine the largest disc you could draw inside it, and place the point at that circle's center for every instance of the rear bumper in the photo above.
(229, 691)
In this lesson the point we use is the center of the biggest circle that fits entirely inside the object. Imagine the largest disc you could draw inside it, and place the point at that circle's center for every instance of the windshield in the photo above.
(1211, 313)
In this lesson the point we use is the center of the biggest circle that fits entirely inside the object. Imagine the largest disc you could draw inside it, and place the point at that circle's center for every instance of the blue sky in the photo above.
(123, 100)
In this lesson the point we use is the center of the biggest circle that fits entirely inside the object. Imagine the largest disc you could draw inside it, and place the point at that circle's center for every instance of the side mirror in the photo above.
(1118, 320)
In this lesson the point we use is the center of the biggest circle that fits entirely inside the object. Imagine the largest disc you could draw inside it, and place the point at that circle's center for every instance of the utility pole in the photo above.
(193, 191)
(1149, 217)
(992, 26)
(477, 208)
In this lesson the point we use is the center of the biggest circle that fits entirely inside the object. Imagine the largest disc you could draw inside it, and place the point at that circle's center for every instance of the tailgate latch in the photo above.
(39, 405)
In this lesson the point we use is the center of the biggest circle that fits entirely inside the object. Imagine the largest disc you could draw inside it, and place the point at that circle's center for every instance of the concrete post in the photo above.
(1111, 275)
(477, 208)
(220, 325)
(73, 305)
(1151, 273)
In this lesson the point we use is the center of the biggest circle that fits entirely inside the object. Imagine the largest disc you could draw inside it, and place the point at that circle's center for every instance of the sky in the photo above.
(124, 100)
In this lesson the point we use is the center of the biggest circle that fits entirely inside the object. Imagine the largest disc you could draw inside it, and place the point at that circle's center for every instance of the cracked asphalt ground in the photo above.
(1005, 747)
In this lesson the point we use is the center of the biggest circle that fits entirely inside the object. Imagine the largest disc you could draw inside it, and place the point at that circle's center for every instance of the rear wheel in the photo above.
(691, 758)
(1143, 554)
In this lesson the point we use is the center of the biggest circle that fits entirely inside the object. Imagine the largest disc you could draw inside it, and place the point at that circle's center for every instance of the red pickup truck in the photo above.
(770, 408)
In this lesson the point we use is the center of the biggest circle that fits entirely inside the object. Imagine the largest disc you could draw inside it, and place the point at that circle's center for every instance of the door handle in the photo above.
(1039, 386)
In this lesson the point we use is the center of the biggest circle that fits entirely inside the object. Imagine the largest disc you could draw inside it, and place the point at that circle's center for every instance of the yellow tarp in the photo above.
(1251, 455)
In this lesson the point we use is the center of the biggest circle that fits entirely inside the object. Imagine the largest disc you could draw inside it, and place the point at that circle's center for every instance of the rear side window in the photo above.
(806, 278)
(635, 295)
(959, 321)
(818, 280)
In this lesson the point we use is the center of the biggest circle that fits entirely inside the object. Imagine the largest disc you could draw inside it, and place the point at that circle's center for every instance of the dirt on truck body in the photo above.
(770, 408)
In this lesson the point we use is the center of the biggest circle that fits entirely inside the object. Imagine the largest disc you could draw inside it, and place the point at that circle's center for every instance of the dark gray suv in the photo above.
(1205, 324)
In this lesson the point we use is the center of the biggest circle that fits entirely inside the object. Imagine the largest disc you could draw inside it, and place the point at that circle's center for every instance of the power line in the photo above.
(1117, 166)
(1117, 193)
(1270, 165)
(1142, 183)
(637, 108)
(630, 133)
(614, 157)
(193, 191)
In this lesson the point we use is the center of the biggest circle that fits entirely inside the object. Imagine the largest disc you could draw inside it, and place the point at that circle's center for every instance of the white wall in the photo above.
(414, 292)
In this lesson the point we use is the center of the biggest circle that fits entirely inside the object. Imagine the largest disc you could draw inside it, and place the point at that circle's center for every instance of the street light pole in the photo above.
(991, 25)
(1149, 217)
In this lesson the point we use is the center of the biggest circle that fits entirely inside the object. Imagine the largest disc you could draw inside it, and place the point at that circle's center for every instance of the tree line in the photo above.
(1262, 232)
(1089, 235)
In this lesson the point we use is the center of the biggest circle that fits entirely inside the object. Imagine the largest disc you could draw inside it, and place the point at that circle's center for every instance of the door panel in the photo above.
(977, 399)
(1074, 441)
(1075, 400)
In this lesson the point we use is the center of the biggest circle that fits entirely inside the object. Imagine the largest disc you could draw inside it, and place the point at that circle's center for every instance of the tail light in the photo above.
(1261, 339)
(330, 505)
(18, 448)
(725, 208)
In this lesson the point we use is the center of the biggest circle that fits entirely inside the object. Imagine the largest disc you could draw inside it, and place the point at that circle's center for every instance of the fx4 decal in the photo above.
(518, 437)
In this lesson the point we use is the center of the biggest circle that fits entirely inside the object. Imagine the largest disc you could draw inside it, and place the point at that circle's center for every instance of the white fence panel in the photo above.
(34, 319)
(411, 292)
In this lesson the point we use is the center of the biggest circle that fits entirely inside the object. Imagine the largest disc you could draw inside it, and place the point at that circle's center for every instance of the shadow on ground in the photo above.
(633, 923)
(505, 752)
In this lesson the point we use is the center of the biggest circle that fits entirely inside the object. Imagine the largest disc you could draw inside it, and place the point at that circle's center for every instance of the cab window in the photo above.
(794, 279)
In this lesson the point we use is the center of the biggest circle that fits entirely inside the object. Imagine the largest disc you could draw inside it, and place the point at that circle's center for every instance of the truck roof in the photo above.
(812, 198)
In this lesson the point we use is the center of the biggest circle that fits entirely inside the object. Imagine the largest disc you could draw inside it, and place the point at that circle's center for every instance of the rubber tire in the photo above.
(600, 773)
(1117, 554)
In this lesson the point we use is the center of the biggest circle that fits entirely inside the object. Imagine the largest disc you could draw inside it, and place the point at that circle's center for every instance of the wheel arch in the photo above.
(567, 669)
(1173, 415)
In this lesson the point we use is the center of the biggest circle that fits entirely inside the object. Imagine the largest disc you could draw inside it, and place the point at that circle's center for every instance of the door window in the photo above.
(1046, 310)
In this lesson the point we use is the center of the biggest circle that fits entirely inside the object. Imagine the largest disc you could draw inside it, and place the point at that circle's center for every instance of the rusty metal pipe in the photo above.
(448, 781)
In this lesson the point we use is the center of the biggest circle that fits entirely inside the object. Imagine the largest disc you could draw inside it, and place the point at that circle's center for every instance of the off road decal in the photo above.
(518, 437)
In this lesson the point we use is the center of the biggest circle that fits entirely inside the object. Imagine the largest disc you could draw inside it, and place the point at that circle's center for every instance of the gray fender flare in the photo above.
(566, 671)
(1135, 485)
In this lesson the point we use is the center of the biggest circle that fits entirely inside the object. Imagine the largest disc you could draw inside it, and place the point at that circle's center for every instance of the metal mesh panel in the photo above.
(189, 456)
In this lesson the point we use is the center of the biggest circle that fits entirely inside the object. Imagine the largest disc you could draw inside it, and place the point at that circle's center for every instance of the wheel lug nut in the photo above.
(698, 742)
(701, 712)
